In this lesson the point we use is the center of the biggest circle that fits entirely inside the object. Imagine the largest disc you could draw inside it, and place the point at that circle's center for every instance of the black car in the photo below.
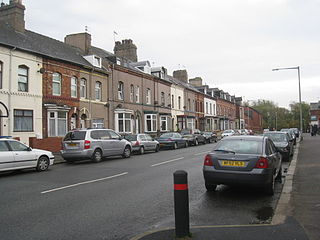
(209, 136)
(194, 137)
(172, 140)
(243, 160)
(282, 142)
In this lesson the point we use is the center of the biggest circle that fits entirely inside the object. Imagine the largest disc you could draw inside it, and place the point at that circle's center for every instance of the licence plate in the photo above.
(232, 163)
(72, 144)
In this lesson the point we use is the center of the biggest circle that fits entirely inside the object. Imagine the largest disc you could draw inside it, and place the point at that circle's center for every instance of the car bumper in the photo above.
(77, 154)
(166, 144)
(136, 148)
(256, 177)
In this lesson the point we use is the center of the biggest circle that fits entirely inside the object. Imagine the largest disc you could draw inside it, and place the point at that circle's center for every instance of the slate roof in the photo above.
(41, 45)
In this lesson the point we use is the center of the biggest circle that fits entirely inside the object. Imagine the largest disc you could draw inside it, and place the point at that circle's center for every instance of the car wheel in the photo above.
(210, 140)
(186, 144)
(141, 150)
(196, 143)
(126, 152)
(210, 187)
(175, 146)
(279, 176)
(96, 156)
(43, 164)
(157, 148)
(204, 142)
(270, 187)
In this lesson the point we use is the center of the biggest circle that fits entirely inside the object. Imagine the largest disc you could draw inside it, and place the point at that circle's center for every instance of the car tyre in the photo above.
(270, 187)
(196, 143)
(157, 148)
(141, 150)
(96, 156)
(186, 144)
(279, 176)
(126, 152)
(175, 146)
(211, 187)
(43, 164)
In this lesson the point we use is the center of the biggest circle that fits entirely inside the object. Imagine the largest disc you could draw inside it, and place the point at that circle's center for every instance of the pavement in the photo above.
(296, 217)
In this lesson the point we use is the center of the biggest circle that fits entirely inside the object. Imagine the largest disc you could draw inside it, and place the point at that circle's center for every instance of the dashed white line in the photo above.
(82, 183)
(201, 153)
(173, 160)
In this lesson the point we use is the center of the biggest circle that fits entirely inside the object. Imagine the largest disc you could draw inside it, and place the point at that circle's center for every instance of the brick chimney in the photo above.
(79, 40)
(126, 49)
(12, 14)
(181, 75)
(197, 81)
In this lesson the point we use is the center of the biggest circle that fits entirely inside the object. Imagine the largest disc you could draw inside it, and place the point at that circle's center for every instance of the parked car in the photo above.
(227, 133)
(282, 142)
(194, 137)
(142, 142)
(94, 144)
(243, 160)
(296, 132)
(291, 134)
(210, 137)
(172, 140)
(16, 155)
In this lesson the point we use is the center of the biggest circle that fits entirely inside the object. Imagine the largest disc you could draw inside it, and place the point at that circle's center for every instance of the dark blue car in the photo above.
(172, 140)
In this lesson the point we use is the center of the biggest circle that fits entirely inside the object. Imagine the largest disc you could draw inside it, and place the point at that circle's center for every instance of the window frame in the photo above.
(148, 96)
(1, 73)
(58, 82)
(72, 85)
(120, 90)
(23, 116)
(153, 123)
(83, 88)
(162, 99)
(131, 93)
(24, 67)
(124, 119)
(137, 94)
(98, 90)
(56, 122)
(167, 121)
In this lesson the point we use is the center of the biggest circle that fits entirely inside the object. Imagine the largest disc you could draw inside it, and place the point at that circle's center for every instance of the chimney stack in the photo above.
(126, 49)
(13, 15)
(197, 81)
(79, 40)
(181, 75)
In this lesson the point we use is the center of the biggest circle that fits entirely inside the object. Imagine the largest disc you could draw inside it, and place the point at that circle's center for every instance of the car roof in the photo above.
(245, 137)
(273, 132)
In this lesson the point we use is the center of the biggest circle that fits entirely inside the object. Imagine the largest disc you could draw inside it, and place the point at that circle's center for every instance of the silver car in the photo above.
(142, 142)
(94, 144)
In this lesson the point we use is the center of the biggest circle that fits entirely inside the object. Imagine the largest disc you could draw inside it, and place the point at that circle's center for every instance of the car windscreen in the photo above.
(167, 135)
(131, 137)
(276, 137)
(76, 135)
(241, 146)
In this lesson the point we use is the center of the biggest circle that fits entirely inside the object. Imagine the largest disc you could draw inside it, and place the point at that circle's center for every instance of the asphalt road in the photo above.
(120, 198)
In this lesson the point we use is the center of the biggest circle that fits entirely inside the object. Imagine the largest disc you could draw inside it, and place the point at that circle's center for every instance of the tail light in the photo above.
(137, 143)
(86, 144)
(262, 163)
(208, 160)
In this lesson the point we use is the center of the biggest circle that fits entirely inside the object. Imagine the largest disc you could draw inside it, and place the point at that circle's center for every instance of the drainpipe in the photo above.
(10, 91)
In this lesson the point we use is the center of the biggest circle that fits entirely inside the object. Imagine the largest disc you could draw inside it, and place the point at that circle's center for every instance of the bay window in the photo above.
(150, 122)
(57, 123)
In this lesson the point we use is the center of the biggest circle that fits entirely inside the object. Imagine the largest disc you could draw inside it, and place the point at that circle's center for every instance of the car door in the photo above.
(115, 142)
(272, 155)
(106, 143)
(6, 157)
(151, 143)
(278, 157)
(23, 156)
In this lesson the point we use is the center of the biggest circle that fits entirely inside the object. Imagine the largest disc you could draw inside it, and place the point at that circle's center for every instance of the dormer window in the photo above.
(97, 61)
(94, 60)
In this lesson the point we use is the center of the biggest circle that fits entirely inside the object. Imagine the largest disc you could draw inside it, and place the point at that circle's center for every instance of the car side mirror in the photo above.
(29, 149)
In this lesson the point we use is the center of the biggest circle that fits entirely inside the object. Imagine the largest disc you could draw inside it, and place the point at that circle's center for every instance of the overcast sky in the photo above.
(231, 44)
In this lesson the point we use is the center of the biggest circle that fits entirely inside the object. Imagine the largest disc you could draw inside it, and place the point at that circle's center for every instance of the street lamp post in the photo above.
(295, 68)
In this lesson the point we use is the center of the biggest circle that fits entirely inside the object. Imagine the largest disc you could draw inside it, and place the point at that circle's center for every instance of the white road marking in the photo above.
(173, 160)
(82, 183)
(201, 153)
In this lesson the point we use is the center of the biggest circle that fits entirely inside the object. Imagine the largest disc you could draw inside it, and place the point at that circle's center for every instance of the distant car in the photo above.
(266, 130)
(94, 144)
(210, 137)
(16, 155)
(227, 133)
(172, 140)
(142, 142)
(296, 132)
(194, 137)
(282, 142)
(291, 134)
(243, 160)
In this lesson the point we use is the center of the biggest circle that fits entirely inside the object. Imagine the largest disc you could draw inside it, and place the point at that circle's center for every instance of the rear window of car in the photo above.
(3, 146)
(76, 135)
(131, 137)
(240, 146)
(167, 135)
(276, 137)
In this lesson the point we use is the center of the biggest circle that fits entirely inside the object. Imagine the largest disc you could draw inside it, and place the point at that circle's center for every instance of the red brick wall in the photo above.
(52, 144)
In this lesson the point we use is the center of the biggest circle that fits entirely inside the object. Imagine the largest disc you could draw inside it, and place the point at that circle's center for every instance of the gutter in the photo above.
(10, 91)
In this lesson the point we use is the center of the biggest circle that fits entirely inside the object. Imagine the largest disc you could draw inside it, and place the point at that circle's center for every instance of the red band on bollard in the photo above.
(180, 186)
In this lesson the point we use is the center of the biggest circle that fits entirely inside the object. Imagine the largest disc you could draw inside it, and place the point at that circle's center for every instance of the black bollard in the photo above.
(181, 204)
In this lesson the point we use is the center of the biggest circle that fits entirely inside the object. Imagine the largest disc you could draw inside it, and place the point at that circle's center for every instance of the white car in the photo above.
(226, 133)
(16, 155)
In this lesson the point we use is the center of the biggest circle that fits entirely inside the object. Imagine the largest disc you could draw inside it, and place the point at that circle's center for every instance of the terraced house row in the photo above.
(49, 87)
